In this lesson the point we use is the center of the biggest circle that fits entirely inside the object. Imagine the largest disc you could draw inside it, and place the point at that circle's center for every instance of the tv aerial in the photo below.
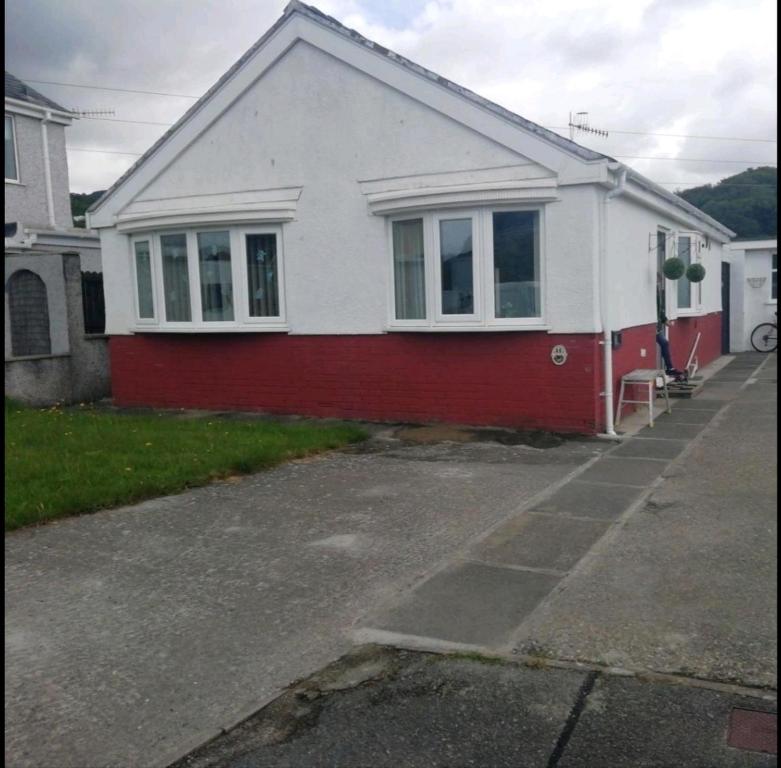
(579, 122)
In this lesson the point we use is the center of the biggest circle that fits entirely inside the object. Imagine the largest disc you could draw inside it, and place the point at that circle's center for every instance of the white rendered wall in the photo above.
(314, 122)
(751, 306)
(631, 260)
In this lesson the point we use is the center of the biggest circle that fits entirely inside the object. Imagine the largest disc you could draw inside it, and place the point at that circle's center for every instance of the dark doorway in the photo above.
(725, 314)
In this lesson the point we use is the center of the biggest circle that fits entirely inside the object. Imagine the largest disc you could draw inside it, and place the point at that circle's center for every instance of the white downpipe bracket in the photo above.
(607, 346)
(47, 168)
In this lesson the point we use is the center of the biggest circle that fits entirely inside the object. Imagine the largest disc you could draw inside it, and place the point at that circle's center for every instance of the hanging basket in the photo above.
(695, 273)
(673, 268)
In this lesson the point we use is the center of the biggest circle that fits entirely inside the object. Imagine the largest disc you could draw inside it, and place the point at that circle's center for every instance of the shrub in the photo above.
(673, 268)
(695, 273)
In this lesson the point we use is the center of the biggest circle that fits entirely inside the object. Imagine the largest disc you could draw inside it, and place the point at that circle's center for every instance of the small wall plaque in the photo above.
(559, 354)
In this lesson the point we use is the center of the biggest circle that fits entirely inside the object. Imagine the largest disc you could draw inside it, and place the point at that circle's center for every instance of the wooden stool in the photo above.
(643, 377)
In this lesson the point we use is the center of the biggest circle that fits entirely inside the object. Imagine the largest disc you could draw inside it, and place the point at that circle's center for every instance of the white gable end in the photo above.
(314, 122)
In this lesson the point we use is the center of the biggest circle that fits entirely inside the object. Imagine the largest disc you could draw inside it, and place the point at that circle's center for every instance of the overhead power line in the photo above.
(107, 88)
(675, 135)
(698, 160)
(551, 128)
(135, 122)
(103, 151)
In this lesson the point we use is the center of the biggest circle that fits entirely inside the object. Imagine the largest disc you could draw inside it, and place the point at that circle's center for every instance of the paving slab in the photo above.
(584, 499)
(671, 430)
(467, 603)
(688, 585)
(689, 416)
(132, 635)
(418, 711)
(695, 404)
(638, 472)
(541, 541)
(626, 723)
(651, 449)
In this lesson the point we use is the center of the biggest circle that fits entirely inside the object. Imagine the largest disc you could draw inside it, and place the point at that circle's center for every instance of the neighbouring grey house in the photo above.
(55, 346)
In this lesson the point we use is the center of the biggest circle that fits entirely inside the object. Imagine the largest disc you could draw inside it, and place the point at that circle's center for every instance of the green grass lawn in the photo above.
(67, 462)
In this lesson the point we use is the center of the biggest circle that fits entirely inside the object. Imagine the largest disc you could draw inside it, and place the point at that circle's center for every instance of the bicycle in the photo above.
(764, 338)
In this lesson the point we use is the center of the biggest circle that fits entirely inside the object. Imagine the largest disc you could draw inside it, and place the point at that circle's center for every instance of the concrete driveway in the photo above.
(134, 635)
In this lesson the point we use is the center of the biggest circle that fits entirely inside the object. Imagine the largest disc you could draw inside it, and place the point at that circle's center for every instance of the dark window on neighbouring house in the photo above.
(28, 308)
(92, 302)
(774, 277)
(11, 170)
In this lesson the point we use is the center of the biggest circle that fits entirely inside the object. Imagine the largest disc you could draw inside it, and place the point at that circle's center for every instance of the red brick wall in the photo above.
(683, 332)
(503, 379)
(681, 336)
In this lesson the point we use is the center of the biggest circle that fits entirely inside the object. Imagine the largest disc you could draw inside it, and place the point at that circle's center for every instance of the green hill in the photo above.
(747, 203)
(80, 201)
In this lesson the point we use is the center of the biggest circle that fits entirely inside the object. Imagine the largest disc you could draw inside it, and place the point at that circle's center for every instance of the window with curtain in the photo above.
(214, 265)
(146, 305)
(176, 280)
(11, 171)
(684, 285)
(409, 278)
(516, 264)
(455, 252)
(262, 275)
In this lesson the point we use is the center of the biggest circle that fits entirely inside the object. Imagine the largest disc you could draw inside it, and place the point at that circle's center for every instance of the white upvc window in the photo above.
(209, 278)
(11, 152)
(466, 269)
(688, 250)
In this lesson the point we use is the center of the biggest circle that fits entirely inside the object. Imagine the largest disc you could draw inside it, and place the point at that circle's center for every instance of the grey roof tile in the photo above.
(16, 89)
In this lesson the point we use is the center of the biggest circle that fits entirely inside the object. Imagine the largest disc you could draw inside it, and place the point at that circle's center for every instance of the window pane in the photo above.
(214, 263)
(262, 275)
(176, 283)
(455, 247)
(10, 154)
(408, 270)
(774, 277)
(516, 264)
(146, 307)
(684, 286)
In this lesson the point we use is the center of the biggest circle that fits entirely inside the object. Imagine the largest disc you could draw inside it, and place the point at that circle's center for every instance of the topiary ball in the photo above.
(695, 273)
(673, 268)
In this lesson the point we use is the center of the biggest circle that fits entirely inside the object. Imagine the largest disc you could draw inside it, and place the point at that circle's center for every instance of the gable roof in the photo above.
(296, 7)
(308, 11)
(16, 89)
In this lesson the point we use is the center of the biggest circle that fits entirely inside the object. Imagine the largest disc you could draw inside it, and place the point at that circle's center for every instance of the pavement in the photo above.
(134, 635)
(612, 605)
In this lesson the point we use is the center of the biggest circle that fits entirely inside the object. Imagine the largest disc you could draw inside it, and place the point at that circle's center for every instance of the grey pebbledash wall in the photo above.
(77, 368)
(26, 201)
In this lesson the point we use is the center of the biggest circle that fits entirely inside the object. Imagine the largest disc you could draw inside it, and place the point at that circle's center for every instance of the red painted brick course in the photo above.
(502, 379)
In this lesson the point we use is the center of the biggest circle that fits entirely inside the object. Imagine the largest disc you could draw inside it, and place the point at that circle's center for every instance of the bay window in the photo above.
(477, 268)
(209, 279)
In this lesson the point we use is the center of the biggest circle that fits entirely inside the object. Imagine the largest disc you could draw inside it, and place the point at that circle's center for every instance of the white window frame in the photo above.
(18, 179)
(242, 320)
(695, 257)
(144, 238)
(243, 313)
(473, 318)
(484, 317)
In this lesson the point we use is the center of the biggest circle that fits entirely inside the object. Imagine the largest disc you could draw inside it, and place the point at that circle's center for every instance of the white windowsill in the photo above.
(462, 328)
(206, 329)
(691, 313)
(14, 181)
(772, 302)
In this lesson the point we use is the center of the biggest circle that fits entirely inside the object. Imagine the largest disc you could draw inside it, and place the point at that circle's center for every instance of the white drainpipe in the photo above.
(607, 346)
(47, 168)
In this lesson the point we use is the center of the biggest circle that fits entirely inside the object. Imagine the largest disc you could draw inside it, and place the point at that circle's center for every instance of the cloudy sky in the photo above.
(657, 74)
